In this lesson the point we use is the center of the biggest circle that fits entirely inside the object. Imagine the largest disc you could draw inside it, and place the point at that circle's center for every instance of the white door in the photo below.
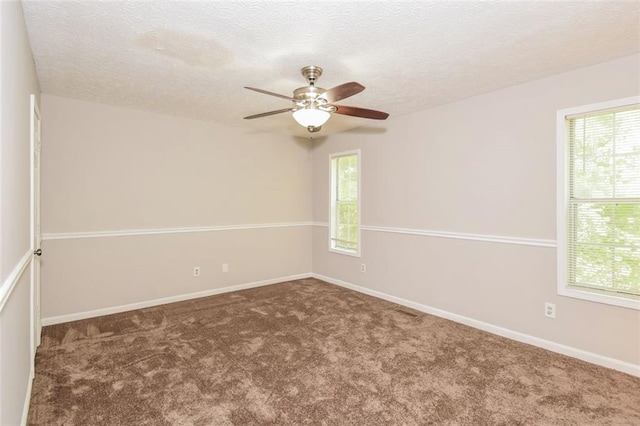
(35, 227)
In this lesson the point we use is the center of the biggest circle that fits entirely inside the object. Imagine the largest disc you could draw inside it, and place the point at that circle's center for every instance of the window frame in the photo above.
(562, 195)
(332, 205)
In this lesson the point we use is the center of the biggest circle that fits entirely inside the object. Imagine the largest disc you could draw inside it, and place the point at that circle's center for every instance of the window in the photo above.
(599, 202)
(344, 217)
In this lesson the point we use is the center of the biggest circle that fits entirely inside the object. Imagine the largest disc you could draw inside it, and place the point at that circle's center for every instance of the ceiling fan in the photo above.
(312, 105)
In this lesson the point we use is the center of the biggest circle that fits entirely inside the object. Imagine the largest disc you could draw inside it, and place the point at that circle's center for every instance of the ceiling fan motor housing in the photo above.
(308, 93)
(311, 73)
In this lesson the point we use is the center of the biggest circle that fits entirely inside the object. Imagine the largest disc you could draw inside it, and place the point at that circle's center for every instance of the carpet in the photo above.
(306, 352)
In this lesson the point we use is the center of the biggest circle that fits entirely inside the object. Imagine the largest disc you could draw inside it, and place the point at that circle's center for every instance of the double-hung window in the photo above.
(599, 202)
(344, 216)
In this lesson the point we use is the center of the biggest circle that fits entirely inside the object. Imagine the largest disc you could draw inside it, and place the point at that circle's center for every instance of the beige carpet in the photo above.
(306, 352)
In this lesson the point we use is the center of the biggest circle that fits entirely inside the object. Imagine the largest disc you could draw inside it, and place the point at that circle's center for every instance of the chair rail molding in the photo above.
(536, 242)
(12, 280)
(159, 231)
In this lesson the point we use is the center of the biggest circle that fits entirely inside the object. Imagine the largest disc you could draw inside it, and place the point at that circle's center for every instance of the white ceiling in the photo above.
(193, 58)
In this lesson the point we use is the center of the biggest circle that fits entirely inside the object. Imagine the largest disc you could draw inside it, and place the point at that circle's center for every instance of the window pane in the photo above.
(342, 236)
(598, 135)
(347, 178)
(594, 266)
(604, 201)
(344, 226)
(625, 220)
(628, 132)
(627, 270)
(593, 223)
(593, 177)
(347, 212)
(627, 176)
(353, 235)
(577, 137)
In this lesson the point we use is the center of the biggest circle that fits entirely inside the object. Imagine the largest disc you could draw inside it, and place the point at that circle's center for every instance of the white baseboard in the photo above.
(171, 299)
(27, 397)
(625, 367)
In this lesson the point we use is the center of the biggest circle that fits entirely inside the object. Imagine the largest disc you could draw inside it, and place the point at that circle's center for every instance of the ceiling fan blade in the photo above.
(360, 112)
(343, 91)
(265, 114)
(270, 93)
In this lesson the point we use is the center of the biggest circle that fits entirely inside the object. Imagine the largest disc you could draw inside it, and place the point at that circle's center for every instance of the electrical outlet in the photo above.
(363, 267)
(196, 271)
(225, 267)
(549, 310)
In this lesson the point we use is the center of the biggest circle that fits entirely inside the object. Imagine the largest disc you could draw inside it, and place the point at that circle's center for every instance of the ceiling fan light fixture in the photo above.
(311, 117)
(313, 105)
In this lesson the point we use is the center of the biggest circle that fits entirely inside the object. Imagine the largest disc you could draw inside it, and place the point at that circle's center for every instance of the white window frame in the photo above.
(332, 207)
(562, 178)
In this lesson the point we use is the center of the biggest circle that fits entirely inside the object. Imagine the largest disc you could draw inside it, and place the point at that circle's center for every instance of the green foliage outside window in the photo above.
(604, 202)
(346, 202)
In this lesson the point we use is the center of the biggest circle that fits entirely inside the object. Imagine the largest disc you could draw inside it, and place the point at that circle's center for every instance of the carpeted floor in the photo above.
(306, 352)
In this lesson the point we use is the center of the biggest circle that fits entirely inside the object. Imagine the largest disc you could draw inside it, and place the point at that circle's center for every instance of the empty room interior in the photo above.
(340, 213)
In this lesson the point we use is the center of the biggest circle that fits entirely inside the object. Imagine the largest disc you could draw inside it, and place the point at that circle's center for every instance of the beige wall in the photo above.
(108, 169)
(484, 165)
(15, 355)
(90, 274)
(17, 81)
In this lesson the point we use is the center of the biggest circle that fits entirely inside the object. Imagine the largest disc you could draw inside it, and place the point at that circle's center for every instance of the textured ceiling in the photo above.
(193, 58)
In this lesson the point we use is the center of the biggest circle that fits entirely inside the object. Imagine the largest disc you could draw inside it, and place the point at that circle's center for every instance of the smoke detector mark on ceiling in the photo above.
(188, 48)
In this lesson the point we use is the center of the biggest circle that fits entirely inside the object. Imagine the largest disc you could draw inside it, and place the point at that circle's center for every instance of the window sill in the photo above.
(353, 253)
(631, 302)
